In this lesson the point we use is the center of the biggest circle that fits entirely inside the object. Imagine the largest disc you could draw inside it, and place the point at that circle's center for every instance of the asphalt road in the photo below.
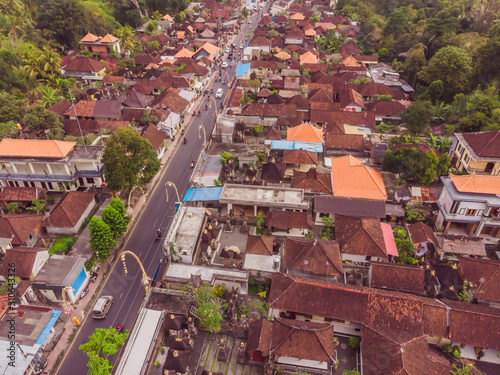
(127, 289)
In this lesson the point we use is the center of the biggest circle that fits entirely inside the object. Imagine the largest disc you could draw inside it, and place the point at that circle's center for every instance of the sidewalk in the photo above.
(68, 328)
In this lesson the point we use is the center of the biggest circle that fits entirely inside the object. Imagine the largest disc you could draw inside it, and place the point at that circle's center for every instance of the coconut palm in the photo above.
(31, 63)
(126, 36)
(49, 60)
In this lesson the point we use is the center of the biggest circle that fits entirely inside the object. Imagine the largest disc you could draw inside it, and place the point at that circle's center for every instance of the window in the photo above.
(460, 150)
(470, 212)
(90, 180)
(467, 159)
(454, 207)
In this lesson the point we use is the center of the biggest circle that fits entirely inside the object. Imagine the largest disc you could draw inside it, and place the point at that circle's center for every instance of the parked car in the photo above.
(241, 45)
(219, 93)
(102, 306)
(224, 65)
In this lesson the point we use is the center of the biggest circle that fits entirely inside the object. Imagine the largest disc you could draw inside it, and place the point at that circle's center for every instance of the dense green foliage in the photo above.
(129, 160)
(406, 249)
(115, 216)
(101, 239)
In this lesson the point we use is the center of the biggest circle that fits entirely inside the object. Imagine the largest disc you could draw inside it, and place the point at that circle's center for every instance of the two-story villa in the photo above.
(470, 205)
(477, 152)
(51, 165)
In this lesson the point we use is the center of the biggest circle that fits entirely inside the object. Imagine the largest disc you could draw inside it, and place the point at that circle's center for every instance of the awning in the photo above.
(203, 194)
(291, 145)
(48, 327)
(242, 69)
(390, 244)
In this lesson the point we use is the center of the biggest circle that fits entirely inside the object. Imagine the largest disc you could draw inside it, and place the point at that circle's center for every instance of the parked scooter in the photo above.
(84, 292)
(93, 277)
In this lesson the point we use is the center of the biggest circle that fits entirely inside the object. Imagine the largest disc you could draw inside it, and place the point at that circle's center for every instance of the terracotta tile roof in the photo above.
(289, 220)
(303, 340)
(60, 107)
(273, 134)
(108, 38)
(170, 100)
(107, 109)
(349, 49)
(89, 38)
(308, 58)
(69, 209)
(477, 184)
(421, 232)
(84, 108)
(184, 52)
(259, 41)
(316, 256)
(20, 194)
(325, 106)
(259, 245)
(350, 97)
(345, 118)
(351, 179)
(19, 227)
(402, 354)
(461, 245)
(435, 321)
(270, 110)
(312, 181)
(259, 336)
(484, 273)
(146, 59)
(299, 101)
(373, 88)
(72, 127)
(305, 133)
(84, 64)
(398, 277)
(351, 142)
(256, 64)
(35, 148)
(210, 48)
(297, 16)
(321, 94)
(24, 259)
(136, 99)
(300, 157)
(155, 136)
(360, 236)
(484, 144)
(385, 108)
(333, 128)
(476, 325)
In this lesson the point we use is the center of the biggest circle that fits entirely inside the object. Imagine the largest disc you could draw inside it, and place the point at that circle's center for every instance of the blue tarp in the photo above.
(291, 145)
(79, 281)
(48, 327)
(242, 69)
(203, 194)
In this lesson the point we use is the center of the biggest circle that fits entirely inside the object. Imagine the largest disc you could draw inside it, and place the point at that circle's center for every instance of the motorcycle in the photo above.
(199, 113)
(93, 277)
(206, 107)
(185, 140)
(84, 292)
(157, 234)
(118, 328)
(192, 164)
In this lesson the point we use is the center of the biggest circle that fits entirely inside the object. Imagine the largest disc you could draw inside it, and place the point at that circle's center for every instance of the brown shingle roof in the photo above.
(23, 258)
(312, 181)
(360, 236)
(84, 108)
(398, 277)
(19, 227)
(72, 127)
(273, 172)
(485, 274)
(259, 41)
(20, 194)
(421, 232)
(344, 118)
(289, 220)
(259, 336)
(461, 245)
(69, 209)
(350, 142)
(154, 135)
(60, 107)
(170, 99)
(303, 340)
(372, 88)
(84, 64)
(384, 108)
(300, 157)
(402, 354)
(259, 245)
(316, 256)
(485, 144)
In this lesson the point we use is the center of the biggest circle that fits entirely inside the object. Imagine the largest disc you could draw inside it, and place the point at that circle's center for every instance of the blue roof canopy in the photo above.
(242, 69)
(48, 327)
(203, 194)
(291, 145)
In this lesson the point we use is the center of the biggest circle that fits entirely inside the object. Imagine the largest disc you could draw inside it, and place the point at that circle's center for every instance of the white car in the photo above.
(219, 93)
(227, 50)
(241, 46)
(224, 65)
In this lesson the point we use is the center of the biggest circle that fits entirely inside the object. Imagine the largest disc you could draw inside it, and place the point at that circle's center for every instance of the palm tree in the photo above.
(24, 73)
(49, 60)
(50, 96)
(126, 36)
(30, 62)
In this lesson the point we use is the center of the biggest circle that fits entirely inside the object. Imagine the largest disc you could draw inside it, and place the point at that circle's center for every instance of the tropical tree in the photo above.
(50, 96)
(126, 36)
(115, 221)
(417, 116)
(49, 60)
(129, 160)
(31, 64)
(40, 118)
(101, 239)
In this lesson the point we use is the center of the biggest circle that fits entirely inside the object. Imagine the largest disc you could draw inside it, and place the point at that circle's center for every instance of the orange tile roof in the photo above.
(477, 184)
(305, 133)
(310, 32)
(282, 55)
(308, 58)
(166, 17)
(108, 38)
(353, 180)
(297, 16)
(89, 38)
(210, 48)
(184, 53)
(180, 34)
(84, 108)
(35, 148)
(350, 61)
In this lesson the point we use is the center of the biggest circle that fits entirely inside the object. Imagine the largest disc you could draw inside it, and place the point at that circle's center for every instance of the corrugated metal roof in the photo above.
(203, 194)
(242, 69)
(291, 145)
(136, 354)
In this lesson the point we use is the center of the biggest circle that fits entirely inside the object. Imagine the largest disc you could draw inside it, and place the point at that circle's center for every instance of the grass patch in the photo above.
(62, 244)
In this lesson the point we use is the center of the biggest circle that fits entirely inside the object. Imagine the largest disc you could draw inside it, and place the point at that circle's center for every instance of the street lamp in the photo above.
(170, 183)
(145, 278)
(200, 128)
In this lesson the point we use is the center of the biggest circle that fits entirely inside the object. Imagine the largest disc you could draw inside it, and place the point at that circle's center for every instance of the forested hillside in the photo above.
(449, 50)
